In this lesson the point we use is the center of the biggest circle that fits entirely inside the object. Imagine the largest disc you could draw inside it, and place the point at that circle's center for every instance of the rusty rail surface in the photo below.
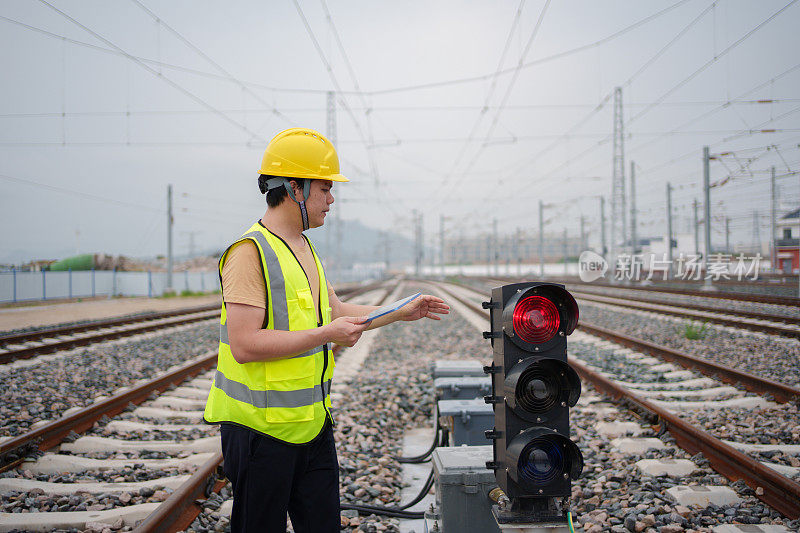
(724, 295)
(55, 331)
(689, 311)
(14, 450)
(779, 492)
(781, 392)
(163, 321)
(697, 307)
(181, 508)
(571, 283)
(204, 312)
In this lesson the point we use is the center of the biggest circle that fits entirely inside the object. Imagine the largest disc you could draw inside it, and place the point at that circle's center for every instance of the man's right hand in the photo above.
(346, 330)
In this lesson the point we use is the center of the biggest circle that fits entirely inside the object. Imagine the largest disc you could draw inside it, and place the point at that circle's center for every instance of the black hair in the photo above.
(275, 196)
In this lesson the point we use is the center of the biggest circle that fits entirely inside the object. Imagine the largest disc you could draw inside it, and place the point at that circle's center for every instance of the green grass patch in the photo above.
(694, 332)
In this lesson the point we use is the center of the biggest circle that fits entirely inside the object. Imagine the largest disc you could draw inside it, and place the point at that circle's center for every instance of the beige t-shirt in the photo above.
(242, 279)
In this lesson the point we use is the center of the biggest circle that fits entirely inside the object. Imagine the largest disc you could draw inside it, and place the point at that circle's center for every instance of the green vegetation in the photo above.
(694, 332)
(186, 293)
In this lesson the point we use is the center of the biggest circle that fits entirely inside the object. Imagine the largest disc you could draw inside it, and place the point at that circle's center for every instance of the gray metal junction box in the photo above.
(467, 420)
(454, 369)
(462, 483)
(462, 388)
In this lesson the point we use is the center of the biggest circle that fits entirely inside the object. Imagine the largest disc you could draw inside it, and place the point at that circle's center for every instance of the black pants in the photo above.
(271, 478)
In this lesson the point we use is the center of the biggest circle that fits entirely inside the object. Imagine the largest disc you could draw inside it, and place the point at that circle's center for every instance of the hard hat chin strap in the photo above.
(275, 182)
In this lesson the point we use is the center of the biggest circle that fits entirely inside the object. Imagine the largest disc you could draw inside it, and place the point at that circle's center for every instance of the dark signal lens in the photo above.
(536, 319)
(541, 462)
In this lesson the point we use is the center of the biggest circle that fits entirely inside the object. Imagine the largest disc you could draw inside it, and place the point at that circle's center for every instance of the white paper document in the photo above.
(386, 309)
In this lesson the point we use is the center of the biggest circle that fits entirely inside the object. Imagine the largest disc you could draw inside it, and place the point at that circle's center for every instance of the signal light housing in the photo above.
(540, 458)
(533, 388)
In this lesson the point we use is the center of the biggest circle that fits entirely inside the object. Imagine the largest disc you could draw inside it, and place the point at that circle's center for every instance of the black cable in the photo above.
(383, 511)
(396, 512)
(425, 489)
(424, 457)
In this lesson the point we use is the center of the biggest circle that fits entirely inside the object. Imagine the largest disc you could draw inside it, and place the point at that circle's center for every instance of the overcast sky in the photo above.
(473, 110)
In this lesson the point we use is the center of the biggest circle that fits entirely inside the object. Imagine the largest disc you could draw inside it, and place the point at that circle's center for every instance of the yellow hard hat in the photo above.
(301, 153)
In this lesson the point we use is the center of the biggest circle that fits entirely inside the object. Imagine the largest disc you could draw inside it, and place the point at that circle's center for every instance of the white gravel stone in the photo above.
(74, 519)
(25, 485)
(619, 429)
(105, 444)
(703, 495)
(750, 402)
(666, 467)
(637, 445)
(53, 463)
(159, 413)
(749, 528)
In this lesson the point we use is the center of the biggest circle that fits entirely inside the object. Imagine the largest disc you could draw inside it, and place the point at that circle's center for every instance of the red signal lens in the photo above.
(536, 319)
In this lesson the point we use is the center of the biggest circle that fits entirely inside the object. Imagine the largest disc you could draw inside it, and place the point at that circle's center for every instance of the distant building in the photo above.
(787, 248)
(510, 249)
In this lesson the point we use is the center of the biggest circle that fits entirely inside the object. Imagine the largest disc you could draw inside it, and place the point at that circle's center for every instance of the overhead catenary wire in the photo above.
(509, 88)
(216, 65)
(490, 91)
(154, 72)
(376, 92)
(81, 194)
(603, 101)
(708, 63)
(337, 86)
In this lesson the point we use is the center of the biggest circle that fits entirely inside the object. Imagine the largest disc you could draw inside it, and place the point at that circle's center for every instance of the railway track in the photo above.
(48, 340)
(155, 417)
(762, 322)
(720, 295)
(28, 344)
(656, 401)
(723, 291)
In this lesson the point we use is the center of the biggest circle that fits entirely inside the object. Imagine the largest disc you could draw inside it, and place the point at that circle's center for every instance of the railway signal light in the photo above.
(533, 388)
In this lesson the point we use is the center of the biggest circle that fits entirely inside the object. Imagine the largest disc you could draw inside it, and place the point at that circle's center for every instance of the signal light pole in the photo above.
(707, 212)
(170, 222)
(533, 388)
(541, 239)
(604, 250)
(669, 230)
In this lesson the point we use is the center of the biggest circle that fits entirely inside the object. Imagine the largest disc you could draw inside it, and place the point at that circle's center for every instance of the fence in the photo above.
(26, 286)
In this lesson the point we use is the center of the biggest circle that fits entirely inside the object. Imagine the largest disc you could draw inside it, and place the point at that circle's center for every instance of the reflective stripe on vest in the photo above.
(277, 285)
(271, 398)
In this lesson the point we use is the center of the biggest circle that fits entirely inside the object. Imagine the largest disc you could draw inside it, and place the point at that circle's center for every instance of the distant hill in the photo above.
(360, 244)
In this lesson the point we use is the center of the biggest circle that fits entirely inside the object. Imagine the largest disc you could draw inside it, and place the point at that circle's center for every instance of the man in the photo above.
(274, 370)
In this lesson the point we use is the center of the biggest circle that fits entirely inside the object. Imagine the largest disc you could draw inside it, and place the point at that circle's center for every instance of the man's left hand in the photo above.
(426, 306)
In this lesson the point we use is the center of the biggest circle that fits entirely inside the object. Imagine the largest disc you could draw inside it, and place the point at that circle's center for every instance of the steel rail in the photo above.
(779, 492)
(690, 311)
(570, 283)
(697, 307)
(781, 392)
(41, 335)
(28, 352)
(14, 450)
(38, 334)
(724, 295)
(178, 511)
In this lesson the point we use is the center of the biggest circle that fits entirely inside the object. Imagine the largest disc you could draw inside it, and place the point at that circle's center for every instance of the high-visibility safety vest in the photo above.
(286, 398)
